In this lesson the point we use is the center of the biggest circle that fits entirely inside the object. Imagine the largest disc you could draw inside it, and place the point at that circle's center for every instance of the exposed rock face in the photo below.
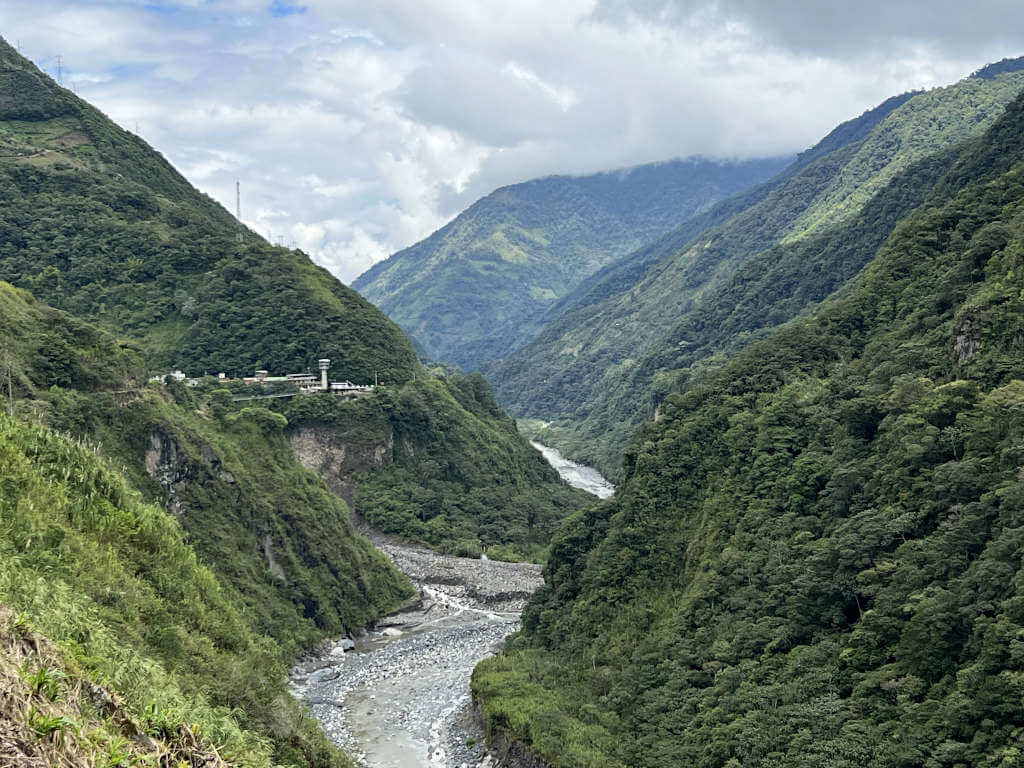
(166, 464)
(968, 327)
(174, 469)
(272, 565)
(506, 752)
(337, 454)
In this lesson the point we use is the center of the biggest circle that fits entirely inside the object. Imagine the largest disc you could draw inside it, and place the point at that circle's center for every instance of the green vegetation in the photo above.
(265, 525)
(180, 558)
(815, 557)
(43, 347)
(120, 585)
(480, 286)
(111, 580)
(96, 223)
(452, 471)
(696, 297)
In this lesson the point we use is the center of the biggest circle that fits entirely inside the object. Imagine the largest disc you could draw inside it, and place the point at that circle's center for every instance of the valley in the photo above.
(712, 462)
(398, 697)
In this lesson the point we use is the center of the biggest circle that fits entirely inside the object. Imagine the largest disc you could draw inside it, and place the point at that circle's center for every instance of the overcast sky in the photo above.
(357, 128)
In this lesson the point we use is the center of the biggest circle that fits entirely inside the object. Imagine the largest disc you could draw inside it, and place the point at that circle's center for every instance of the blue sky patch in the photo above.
(279, 8)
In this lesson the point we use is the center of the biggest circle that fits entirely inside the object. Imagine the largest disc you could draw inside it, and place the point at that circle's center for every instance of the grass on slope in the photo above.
(112, 582)
(264, 524)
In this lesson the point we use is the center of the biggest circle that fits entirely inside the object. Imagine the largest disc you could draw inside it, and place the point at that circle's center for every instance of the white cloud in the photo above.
(357, 128)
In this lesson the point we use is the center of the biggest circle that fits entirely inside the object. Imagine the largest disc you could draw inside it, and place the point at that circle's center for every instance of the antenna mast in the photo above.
(238, 207)
(60, 69)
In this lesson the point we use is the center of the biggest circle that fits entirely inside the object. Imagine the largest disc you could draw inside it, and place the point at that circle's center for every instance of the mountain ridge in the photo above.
(607, 342)
(814, 559)
(474, 287)
(99, 224)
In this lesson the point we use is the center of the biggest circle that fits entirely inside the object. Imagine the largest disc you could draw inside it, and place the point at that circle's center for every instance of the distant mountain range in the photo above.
(655, 321)
(484, 284)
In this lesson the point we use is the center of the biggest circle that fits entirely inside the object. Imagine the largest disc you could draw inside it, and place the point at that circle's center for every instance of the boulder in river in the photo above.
(343, 646)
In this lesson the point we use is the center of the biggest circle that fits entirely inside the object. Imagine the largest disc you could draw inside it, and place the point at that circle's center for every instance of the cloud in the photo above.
(358, 128)
(838, 28)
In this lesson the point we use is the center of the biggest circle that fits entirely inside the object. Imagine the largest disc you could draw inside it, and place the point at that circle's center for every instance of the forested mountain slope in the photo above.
(815, 559)
(97, 223)
(437, 462)
(601, 368)
(193, 662)
(474, 290)
(629, 270)
(164, 537)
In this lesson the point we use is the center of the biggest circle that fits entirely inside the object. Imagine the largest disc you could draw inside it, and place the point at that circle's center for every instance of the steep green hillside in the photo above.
(42, 347)
(475, 289)
(600, 369)
(815, 559)
(436, 462)
(96, 223)
(154, 660)
(285, 567)
(263, 523)
(628, 271)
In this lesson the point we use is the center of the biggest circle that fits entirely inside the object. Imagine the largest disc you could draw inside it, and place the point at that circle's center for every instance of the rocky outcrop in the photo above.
(338, 454)
(272, 565)
(506, 752)
(967, 328)
(166, 464)
(175, 470)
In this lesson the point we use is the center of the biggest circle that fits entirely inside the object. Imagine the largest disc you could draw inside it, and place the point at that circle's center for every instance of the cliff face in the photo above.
(337, 454)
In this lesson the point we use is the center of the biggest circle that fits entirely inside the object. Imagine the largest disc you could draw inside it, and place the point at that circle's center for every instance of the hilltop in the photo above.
(97, 223)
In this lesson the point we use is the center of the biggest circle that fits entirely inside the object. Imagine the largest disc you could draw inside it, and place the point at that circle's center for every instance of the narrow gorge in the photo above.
(397, 696)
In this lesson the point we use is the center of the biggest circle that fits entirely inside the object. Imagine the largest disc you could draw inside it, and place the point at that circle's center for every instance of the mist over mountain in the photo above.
(658, 318)
(482, 285)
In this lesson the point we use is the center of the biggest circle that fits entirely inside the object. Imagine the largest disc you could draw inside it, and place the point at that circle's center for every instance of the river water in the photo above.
(400, 697)
(577, 475)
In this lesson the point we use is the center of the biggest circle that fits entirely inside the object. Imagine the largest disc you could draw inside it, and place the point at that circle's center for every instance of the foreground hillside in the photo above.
(480, 286)
(153, 659)
(815, 559)
(698, 296)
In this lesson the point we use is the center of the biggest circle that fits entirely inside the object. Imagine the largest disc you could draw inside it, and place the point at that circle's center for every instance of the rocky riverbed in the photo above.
(398, 696)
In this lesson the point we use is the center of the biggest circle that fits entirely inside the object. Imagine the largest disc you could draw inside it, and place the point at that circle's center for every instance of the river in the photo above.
(400, 697)
(576, 475)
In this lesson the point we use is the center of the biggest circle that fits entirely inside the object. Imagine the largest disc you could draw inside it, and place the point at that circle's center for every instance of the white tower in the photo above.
(324, 365)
